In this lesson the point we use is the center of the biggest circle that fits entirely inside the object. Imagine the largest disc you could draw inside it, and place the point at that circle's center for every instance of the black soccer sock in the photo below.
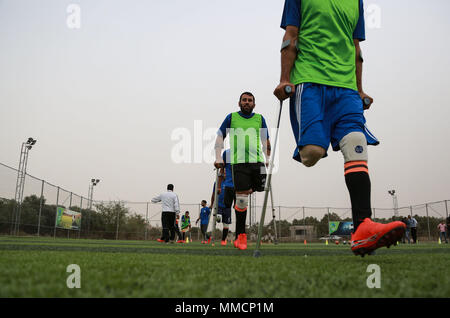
(358, 184)
(240, 222)
(224, 234)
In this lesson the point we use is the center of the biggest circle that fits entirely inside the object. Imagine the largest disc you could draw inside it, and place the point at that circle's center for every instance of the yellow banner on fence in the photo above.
(68, 219)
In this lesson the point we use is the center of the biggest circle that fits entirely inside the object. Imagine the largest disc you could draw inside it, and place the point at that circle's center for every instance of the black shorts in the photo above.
(248, 176)
(229, 197)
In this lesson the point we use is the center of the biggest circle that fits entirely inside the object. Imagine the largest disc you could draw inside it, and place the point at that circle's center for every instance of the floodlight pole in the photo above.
(93, 183)
(394, 202)
(40, 207)
(20, 184)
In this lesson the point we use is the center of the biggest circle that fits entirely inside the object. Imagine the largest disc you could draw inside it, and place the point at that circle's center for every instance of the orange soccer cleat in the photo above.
(235, 243)
(242, 241)
(160, 241)
(223, 243)
(371, 235)
(209, 240)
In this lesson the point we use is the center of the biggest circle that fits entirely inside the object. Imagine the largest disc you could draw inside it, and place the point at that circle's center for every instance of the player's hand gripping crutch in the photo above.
(257, 253)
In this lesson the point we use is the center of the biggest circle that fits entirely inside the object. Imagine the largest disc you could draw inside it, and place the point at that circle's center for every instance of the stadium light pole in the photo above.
(20, 184)
(394, 201)
(93, 183)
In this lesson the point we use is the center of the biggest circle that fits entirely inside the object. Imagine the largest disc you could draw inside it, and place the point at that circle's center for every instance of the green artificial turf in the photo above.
(36, 267)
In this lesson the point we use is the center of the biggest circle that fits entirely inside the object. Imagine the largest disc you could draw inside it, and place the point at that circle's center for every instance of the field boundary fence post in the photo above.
(200, 227)
(40, 207)
(81, 211)
(446, 210)
(56, 212)
(279, 222)
(428, 222)
(117, 228)
(304, 219)
(328, 216)
(146, 223)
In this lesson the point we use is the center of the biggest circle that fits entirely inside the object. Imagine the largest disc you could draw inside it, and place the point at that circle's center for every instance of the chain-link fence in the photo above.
(37, 215)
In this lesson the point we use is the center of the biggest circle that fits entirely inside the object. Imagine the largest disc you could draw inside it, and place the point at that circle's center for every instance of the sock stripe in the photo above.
(352, 163)
(356, 170)
(356, 166)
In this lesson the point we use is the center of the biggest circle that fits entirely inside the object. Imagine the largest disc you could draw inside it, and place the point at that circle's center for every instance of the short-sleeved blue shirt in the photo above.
(204, 215)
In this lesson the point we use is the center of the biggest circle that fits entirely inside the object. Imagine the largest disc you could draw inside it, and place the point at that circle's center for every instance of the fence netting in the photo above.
(36, 214)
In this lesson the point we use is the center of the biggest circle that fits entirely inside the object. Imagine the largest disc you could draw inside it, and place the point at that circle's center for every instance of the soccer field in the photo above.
(37, 267)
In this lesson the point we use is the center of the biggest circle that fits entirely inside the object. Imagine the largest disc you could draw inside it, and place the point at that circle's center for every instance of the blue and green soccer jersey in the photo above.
(325, 40)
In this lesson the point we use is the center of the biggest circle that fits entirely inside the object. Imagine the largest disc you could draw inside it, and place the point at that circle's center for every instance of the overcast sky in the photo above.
(108, 97)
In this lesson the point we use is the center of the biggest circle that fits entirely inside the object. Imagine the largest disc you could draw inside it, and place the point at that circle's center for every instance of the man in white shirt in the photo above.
(170, 208)
(413, 223)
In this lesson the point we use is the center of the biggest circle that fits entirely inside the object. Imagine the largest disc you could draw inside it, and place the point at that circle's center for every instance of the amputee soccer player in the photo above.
(226, 196)
(248, 130)
(321, 61)
(204, 221)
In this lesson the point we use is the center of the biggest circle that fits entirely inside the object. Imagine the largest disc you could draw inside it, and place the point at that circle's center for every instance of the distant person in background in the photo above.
(170, 208)
(407, 235)
(177, 230)
(442, 227)
(404, 236)
(204, 220)
(185, 225)
(413, 224)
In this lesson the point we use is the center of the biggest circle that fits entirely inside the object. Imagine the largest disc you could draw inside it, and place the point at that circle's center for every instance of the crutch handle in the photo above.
(366, 101)
(288, 90)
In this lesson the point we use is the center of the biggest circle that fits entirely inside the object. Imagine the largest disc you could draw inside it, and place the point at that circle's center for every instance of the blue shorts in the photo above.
(226, 215)
(322, 114)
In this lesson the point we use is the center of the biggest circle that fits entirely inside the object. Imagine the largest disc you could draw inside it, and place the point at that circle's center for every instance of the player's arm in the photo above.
(218, 146)
(177, 205)
(156, 199)
(288, 56)
(359, 68)
(264, 133)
